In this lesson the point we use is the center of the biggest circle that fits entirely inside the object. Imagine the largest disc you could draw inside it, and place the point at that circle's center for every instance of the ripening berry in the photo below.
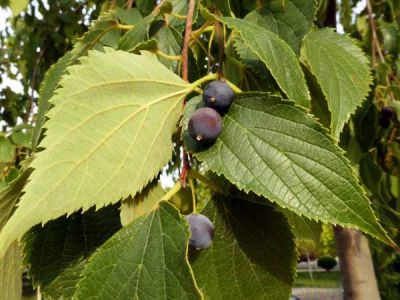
(201, 229)
(218, 95)
(205, 125)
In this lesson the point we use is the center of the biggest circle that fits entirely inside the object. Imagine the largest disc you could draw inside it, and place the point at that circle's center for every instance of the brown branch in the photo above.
(188, 33)
(185, 75)
(113, 3)
(157, 8)
(129, 3)
(220, 36)
(375, 41)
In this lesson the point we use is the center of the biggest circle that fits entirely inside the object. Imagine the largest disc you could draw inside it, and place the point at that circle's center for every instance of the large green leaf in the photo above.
(276, 55)
(145, 260)
(252, 255)
(11, 273)
(271, 147)
(108, 135)
(290, 20)
(58, 251)
(341, 70)
(101, 27)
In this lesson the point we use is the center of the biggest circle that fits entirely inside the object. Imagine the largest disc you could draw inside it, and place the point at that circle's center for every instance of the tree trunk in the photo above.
(358, 276)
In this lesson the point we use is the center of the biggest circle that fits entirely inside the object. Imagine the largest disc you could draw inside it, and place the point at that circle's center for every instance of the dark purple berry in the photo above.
(201, 229)
(205, 125)
(218, 95)
(385, 116)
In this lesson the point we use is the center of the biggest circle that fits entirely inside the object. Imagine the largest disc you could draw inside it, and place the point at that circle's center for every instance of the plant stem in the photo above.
(178, 16)
(214, 187)
(193, 195)
(188, 32)
(167, 56)
(375, 42)
(124, 27)
(177, 187)
(234, 87)
(157, 8)
(204, 79)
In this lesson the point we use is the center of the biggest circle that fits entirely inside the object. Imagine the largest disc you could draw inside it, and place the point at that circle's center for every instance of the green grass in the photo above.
(321, 280)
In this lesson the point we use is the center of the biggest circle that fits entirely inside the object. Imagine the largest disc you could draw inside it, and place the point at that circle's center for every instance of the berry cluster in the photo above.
(205, 125)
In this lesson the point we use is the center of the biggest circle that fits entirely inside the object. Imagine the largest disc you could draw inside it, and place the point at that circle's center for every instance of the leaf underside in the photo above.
(108, 135)
(145, 260)
(271, 147)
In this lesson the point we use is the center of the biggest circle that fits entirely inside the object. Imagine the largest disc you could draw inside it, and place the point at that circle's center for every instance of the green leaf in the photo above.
(7, 150)
(57, 252)
(17, 6)
(291, 20)
(108, 135)
(136, 35)
(105, 24)
(303, 229)
(341, 70)
(145, 6)
(130, 16)
(319, 106)
(170, 42)
(346, 12)
(271, 147)
(252, 255)
(223, 6)
(22, 135)
(145, 260)
(140, 32)
(276, 55)
(11, 273)
(142, 204)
